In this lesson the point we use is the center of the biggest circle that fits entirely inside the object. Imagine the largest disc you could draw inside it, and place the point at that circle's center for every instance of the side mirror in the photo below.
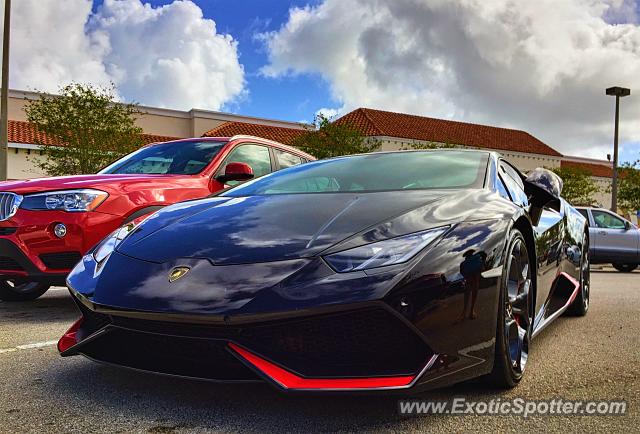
(543, 187)
(236, 172)
(627, 225)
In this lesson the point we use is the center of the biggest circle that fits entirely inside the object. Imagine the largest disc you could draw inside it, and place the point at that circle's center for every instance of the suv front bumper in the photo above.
(30, 250)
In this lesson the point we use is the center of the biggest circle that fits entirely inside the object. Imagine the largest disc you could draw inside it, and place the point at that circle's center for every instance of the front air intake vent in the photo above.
(61, 260)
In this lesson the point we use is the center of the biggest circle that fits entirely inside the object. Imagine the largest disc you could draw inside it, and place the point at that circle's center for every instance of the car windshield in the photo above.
(171, 158)
(374, 172)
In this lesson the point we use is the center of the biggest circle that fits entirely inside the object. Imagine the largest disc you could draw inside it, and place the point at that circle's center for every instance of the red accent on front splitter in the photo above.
(289, 380)
(69, 338)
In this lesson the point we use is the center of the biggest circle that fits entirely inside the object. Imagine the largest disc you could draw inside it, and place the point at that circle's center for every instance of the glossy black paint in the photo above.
(257, 259)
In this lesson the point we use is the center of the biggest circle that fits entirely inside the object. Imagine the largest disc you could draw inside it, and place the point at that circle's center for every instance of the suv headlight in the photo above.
(387, 252)
(66, 200)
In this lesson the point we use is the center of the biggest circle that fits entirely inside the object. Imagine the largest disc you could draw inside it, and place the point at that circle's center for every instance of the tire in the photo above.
(513, 331)
(580, 305)
(625, 268)
(21, 290)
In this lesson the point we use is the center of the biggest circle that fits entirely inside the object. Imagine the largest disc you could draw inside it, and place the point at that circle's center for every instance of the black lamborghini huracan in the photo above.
(370, 272)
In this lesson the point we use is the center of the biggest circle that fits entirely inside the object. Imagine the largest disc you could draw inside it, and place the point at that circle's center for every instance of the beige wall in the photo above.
(603, 197)
(194, 123)
(164, 122)
(158, 121)
(20, 163)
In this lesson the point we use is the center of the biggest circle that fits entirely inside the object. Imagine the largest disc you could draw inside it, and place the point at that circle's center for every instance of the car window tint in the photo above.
(171, 158)
(255, 156)
(608, 221)
(514, 184)
(285, 159)
(502, 189)
(309, 185)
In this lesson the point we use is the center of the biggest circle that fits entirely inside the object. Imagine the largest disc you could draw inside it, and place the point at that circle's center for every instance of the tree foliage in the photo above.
(578, 186)
(629, 186)
(326, 139)
(85, 129)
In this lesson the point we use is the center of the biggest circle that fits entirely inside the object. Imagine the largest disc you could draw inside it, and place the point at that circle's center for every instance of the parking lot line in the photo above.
(28, 346)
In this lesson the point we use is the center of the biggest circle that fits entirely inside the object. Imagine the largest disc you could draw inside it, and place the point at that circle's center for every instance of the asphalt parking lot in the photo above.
(590, 358)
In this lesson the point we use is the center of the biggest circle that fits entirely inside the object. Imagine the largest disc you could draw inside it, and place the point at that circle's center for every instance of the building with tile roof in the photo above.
(391, 130)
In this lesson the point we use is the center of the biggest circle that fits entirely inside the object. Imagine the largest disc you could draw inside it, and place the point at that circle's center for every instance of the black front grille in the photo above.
(60, 260)
(7, 263)
(190, 357)
(8, 231)
(358, 343)
(369, 342)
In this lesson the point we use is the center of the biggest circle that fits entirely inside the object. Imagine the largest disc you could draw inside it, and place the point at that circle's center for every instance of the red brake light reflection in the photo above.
(69, 339)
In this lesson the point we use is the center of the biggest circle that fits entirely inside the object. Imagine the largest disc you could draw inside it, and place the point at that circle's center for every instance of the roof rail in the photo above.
(245, 137)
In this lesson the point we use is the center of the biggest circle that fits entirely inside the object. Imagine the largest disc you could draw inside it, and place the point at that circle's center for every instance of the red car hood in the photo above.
(104, 182)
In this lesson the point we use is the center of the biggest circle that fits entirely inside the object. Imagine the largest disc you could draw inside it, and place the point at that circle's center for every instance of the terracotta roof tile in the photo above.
(25, 132)
(279, 134)
(594, 169)
(372, 122)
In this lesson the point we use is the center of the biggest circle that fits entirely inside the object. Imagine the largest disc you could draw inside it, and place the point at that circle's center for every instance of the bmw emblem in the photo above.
(177, 272)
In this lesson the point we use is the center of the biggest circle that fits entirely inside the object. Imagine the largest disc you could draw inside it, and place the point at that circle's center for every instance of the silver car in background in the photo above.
(612, 239)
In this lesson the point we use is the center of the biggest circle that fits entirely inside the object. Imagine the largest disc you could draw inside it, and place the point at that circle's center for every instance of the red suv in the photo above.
(47, 224)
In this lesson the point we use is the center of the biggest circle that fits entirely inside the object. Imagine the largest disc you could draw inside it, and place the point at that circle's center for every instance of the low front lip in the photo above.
(266, 368)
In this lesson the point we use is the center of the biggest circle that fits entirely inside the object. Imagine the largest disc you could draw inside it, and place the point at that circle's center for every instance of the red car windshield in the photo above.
(171, 158)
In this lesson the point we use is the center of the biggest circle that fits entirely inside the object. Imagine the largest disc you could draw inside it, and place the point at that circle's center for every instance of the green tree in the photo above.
(326, 139)
(578, 186)
(85, 129)
(629, 186)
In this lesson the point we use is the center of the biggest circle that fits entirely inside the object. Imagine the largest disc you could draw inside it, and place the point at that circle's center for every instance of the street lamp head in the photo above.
(618, 91)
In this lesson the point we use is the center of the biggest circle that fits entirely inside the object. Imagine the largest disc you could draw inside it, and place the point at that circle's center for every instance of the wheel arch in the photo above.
(142, 211)
(524, 226)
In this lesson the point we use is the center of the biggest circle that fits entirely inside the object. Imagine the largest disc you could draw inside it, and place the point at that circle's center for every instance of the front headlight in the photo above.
(387, 252)
(66, 200)
(109, 244)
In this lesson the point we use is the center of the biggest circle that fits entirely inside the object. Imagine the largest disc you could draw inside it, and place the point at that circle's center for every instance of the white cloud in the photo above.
(49, 46)
(328, 113)
(169, 56)
(539, 65)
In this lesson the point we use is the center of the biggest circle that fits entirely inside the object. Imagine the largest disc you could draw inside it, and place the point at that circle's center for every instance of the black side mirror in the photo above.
(627, 225)
(543, 187)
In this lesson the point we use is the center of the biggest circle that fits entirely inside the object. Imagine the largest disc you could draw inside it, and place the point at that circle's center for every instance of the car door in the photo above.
(592, 233)
(611, 238)
(549, 234)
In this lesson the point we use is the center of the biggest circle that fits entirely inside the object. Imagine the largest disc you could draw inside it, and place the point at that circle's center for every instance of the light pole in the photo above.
(4, 108)
(618, 92)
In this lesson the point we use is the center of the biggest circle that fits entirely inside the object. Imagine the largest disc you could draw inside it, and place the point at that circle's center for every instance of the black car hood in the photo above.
(237, 230)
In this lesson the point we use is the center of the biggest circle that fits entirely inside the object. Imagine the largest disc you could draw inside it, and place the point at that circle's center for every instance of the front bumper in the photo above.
(350, 348)
(29, 249)
(14, 263)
